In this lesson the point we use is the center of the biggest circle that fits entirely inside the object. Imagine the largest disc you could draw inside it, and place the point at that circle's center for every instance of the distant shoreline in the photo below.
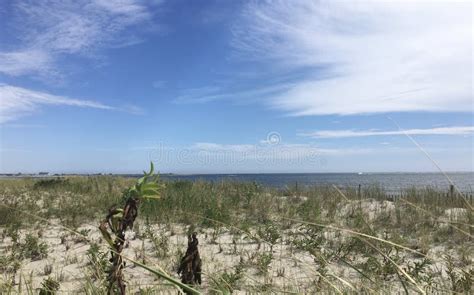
(20, 174)
(391, 182)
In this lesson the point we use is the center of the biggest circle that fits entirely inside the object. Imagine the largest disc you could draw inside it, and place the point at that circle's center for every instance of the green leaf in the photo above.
(152, 168)
(154, 197)
(148, 192)
(162, 275)
(149, 185)
(106, 236)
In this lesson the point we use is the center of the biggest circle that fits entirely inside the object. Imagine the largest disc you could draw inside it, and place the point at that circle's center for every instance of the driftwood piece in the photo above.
(190, 266)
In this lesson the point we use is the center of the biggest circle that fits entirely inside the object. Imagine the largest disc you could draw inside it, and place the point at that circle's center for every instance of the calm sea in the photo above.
(391, 182)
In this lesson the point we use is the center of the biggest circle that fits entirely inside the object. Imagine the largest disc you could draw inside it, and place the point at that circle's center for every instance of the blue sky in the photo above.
(235, 86)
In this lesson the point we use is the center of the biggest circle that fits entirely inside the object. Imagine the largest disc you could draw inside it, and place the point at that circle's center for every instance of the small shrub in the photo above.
(269, 233)
(50, 183)
(34, 249)
(228, 281)
(160, 242)
(263, 263)
(49, 286)
(97, 262)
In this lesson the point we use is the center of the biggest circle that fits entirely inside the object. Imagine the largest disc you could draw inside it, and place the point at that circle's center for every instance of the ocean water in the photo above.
(391, 182)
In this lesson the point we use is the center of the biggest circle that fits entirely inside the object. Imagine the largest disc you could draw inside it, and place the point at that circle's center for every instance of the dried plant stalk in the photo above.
(190, 266)
(117, 221)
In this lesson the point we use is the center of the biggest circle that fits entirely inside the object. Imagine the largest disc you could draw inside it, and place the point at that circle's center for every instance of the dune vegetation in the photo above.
(251, 238)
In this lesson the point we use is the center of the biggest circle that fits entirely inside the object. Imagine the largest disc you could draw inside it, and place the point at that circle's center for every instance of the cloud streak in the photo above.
(455, 130)
(24, 62)
(363, 56)
(17, 102)
(50, 29)
(210, 94)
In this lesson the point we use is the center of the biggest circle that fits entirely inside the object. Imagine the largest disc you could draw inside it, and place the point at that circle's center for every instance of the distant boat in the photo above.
(360, 173)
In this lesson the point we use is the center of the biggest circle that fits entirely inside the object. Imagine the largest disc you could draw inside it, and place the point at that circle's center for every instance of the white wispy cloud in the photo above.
(363, 56)
(214, 93)
(23, 62)
(454, 130)
(17, 102)
(51, 28)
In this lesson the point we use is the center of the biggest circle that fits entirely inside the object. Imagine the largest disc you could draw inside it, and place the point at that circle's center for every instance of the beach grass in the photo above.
(252, 238)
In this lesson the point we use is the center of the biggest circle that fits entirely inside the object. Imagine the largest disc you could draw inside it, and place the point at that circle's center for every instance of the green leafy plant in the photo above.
(227, 282)
(263, 262)
(97, 262)
(160, 242)
(269, 233)
(49, 286)
(34, 249)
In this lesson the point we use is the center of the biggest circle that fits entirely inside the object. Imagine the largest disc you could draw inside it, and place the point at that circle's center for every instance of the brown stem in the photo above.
(115, 274)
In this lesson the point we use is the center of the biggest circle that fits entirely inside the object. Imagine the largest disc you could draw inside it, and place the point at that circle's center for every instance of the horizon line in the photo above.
(49, 174)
